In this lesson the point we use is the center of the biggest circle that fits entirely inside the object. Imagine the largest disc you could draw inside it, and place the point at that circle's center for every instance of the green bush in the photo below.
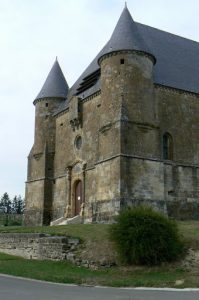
(144, 236)
(15, 223)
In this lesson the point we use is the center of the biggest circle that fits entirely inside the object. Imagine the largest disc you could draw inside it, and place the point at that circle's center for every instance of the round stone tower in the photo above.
(41, 158)
(52, 94)
(129, 126)
(127, 74)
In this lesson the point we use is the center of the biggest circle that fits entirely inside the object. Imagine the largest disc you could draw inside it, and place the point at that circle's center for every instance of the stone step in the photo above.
(64, 221)
(75, 220)
(57, 222)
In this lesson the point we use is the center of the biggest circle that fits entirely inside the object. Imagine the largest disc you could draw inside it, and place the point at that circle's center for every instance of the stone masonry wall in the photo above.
(45, 247)
(178, 115)
(38, 246)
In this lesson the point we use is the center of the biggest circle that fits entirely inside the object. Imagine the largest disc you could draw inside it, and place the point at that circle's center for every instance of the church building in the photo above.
(126, 133)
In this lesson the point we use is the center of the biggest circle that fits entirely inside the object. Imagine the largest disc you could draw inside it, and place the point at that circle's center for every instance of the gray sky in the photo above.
(34, 32)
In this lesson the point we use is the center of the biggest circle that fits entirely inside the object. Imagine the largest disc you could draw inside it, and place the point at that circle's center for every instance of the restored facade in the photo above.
(126, 133)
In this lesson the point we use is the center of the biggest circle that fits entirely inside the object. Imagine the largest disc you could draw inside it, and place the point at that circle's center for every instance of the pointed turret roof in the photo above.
(177, 63)
(55, 84)
(126, 36)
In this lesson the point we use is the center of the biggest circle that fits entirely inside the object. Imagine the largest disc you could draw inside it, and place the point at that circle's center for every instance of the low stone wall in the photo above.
(38, 246)
(43, 246)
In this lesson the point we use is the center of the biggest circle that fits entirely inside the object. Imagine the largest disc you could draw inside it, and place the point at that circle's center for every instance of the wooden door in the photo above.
(78, 197)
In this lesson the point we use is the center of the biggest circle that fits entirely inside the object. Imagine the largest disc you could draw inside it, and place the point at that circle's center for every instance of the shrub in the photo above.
(144, 236)
(15, 223)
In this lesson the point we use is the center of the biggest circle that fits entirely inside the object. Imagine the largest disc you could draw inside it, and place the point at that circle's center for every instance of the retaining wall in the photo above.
(38, 246)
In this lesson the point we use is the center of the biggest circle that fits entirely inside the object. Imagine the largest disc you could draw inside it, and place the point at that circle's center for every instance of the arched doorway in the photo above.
(78, 197)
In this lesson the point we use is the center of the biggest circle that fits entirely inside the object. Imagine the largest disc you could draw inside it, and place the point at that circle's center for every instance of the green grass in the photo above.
(11, 219)
(190, 233)
(91, 232)
(96, 243)
(98, 233)
(65, 272)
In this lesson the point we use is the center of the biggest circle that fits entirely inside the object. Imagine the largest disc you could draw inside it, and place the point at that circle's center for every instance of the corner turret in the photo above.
(55, 85)
(126, 37)
(52, 94)
(41, 158)
(127, 88)
(128, 120)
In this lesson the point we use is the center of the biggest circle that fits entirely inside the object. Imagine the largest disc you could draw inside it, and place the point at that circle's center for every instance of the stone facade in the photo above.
(111, 142)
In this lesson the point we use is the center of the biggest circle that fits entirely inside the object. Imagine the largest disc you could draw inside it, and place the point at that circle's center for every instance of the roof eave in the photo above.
(140, 52)
(48, 98)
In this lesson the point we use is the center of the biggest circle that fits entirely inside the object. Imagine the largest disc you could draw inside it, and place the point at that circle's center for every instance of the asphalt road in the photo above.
(13, 288)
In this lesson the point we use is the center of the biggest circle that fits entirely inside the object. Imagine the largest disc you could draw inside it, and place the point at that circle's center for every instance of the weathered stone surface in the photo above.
(38, 246)
(46, 247)
(120, 158)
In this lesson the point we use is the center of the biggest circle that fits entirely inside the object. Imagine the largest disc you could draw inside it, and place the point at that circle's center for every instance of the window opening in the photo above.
(167, 146)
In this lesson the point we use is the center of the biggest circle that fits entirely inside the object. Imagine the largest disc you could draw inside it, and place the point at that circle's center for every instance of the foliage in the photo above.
(5, 203)
(10, 220)
(11, 210)
(144, 236)
(11, 206)
(17, 205)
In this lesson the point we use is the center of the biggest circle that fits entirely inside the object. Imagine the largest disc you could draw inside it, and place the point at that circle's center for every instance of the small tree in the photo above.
(144, 236)
(17, 205)
(5, 203)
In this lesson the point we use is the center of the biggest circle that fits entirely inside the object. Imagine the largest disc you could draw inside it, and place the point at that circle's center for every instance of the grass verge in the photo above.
(96, 244)
(64, 272)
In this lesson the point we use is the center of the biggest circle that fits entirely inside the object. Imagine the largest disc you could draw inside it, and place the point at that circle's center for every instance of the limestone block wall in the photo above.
(60, 196)
(142, 180)
(178, 115)
(45, 124)
(102, 191)
(140, 140)
(182, 191)
(124, 86)
(38, 246)
(34, 203)
(66, 153)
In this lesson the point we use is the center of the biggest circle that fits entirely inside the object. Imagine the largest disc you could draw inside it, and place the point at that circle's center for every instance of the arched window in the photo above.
(167, 146)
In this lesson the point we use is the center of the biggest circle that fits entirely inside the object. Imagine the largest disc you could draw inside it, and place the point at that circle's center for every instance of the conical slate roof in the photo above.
(55, 84)
(177, 63)
(126, 36)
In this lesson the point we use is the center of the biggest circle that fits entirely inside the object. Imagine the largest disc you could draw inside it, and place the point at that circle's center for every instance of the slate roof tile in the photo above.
(55, 84)
(177, 58)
